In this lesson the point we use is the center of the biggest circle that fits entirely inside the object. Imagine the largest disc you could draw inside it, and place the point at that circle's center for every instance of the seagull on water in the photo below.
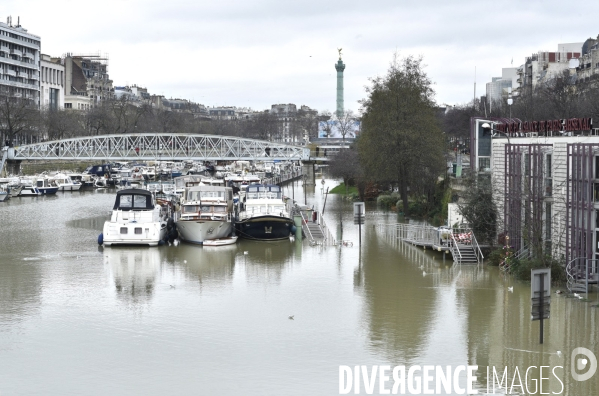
(576, 295)
(291, 317)
(172, 286)
(246, 252)
(423, 273)
(184, 261)
(559, 353)
(510, 289)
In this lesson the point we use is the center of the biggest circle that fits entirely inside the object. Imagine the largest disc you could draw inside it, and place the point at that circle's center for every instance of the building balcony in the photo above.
(11, 73)
(34, 76)
(5, 49)
(16, 52)
(28, 55)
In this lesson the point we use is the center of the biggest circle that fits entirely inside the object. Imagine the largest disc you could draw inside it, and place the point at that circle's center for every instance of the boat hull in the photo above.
(198, 231)
(69, 187)
(47, 190)
(149, 234)
(265, 228)
(29, 192)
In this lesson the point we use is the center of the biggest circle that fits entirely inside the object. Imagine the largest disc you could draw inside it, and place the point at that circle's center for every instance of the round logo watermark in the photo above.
(580, 363)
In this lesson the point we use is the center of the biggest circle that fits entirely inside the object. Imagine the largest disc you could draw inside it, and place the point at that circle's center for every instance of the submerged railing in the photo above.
(452, 239)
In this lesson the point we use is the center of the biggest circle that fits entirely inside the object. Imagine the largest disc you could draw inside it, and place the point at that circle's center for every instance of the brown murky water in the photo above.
(79, 320)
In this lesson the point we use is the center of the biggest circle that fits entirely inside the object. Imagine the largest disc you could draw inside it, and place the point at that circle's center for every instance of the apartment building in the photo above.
(19, 62)
(51, 83)
(588, 67)
(86, 81)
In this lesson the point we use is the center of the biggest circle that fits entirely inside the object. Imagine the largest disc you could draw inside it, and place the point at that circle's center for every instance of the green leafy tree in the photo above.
(401, 140)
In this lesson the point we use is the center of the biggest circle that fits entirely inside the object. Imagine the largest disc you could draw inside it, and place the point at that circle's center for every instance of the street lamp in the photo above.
(487, 127)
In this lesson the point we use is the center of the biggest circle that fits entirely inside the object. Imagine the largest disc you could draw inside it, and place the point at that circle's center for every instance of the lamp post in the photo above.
(487, 127)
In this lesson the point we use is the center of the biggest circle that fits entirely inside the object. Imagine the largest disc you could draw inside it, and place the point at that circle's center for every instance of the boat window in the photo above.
(262, 209)
(278, 208)
(139, 201)
(190, 208)
(125, 201)
(220, 209)
(205, 208)
(194, 196)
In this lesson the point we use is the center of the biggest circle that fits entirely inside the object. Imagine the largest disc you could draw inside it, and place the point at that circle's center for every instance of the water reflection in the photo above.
(266, 261)
(466, 315)
(204, 264)
(400, 302)
(20, 291)
(134, 271)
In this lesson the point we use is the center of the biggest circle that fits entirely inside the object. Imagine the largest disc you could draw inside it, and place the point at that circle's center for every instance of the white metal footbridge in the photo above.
(151, 146)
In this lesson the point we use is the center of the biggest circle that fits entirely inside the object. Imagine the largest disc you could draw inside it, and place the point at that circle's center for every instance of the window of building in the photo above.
(68, 105)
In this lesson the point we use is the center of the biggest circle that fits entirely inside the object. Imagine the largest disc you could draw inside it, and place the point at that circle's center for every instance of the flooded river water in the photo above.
(76, 319)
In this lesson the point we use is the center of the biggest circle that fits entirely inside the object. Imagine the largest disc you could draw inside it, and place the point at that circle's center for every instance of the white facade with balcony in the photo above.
(19, 62)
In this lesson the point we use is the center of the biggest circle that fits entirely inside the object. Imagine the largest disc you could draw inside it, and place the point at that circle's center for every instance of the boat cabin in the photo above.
(133, 199)
(263, 191)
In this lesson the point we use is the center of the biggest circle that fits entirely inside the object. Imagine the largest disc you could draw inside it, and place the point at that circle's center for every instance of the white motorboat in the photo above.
(65, 183)
(221, 241)
(206, 213)
(29, 191)
(136, 220)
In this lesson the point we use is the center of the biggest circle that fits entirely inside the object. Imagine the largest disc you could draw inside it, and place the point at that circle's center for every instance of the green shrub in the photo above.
(498, 256)
(520, 269)
(387, 201)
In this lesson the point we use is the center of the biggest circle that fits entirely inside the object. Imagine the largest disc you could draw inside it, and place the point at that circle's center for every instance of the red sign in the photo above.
(542, 127)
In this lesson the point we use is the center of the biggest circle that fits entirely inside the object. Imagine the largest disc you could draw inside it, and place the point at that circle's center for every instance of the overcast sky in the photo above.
(254, 53)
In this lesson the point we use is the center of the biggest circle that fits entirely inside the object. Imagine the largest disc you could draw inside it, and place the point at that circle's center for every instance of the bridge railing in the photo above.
(147, 146)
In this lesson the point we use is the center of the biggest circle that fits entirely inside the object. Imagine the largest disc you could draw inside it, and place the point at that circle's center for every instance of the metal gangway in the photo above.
(461, 242)
(316, 231)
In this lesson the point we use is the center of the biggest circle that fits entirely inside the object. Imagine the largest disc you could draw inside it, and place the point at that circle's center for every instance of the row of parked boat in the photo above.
(198, 210)
(42, 185)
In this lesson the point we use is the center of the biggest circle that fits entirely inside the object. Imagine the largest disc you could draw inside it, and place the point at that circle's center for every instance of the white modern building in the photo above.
(545, 180)
(499, 88)
(51, 83)
(19, 62)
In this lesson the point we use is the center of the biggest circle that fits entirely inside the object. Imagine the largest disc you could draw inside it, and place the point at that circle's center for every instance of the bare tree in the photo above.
(345, 165)
(346, 122)
(61, 124)
(17, 115)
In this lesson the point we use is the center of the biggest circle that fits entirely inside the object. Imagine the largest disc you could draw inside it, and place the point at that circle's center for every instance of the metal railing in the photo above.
(580, 272)
(328, 236)
(305, 221)
(476, 247)
(455, 250)
(429, 236)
